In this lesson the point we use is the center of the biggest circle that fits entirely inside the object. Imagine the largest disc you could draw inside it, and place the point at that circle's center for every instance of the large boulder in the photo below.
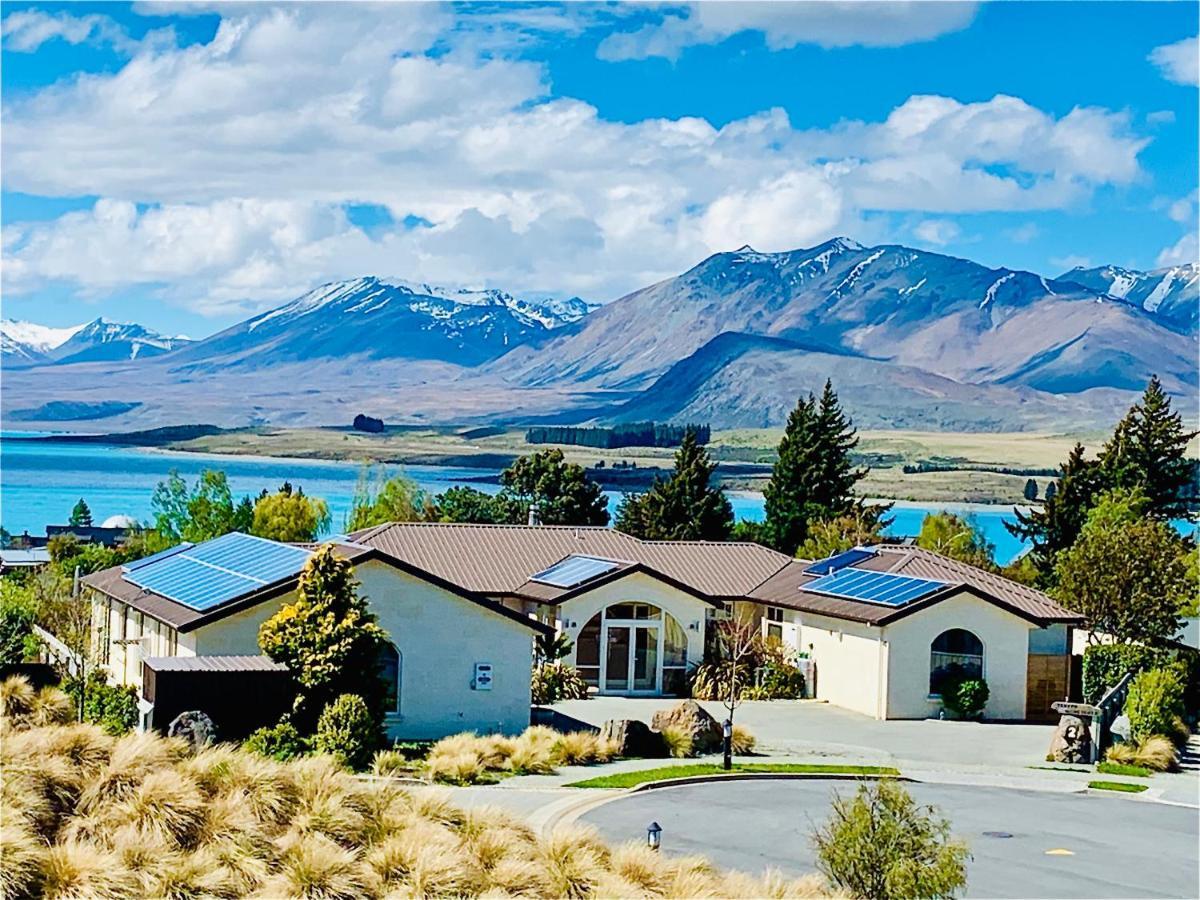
(633, 738)
(194, 727)
(1072, 741)
(690, 718)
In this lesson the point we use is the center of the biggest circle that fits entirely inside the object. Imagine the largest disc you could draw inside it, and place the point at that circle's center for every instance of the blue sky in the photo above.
(186, 170)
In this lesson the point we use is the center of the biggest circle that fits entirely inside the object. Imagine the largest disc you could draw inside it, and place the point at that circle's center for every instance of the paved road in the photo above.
(1120, 847)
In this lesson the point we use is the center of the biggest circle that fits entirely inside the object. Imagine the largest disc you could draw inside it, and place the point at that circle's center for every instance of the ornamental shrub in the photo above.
(113, 707)
(1104, 664)
(346, 730)
(1155, 703)
(882, 845)
(965, 697)
(280, 741)
(552, 682)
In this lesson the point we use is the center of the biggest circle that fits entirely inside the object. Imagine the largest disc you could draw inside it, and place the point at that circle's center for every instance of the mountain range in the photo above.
(30, 344)
(912, 339)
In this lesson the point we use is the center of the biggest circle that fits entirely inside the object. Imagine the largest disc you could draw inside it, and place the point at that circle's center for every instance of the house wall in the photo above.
(441, 637)
(689, 611)
(1005, 639)
(236, 634)
(850, 662)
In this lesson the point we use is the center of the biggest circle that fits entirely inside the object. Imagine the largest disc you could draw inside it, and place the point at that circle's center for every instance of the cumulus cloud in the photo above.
(26, 30)
(227, 167)
(1179, 62)
(1023, 234)
(784, 25)
(1185, 250)
(939, 232)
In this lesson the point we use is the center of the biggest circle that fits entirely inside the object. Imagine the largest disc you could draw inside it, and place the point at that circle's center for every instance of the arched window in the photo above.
(389, 672)
(956, 653)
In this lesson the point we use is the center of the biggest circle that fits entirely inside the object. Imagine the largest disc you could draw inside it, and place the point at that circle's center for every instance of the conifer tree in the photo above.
(814, 478)
(81, 515)
(1148, 450)
(683, 507)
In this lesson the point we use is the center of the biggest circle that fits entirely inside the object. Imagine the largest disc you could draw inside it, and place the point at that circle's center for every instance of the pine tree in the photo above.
(683, 507)
(1031, 490)
(81, 515)
(1055, 525)
(813, 479)
(1148, 450)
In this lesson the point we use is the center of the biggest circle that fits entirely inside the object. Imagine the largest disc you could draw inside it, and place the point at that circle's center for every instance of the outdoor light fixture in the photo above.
(727, 734)
(654, 836)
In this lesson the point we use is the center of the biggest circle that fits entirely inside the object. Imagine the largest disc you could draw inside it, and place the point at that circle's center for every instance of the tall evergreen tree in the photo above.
(814, 478)
(1148, 450)
(683, 507)
(1054, 526)
(81, 515)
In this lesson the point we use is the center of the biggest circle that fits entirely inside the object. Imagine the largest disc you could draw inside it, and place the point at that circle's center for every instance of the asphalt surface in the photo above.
(1117, 847)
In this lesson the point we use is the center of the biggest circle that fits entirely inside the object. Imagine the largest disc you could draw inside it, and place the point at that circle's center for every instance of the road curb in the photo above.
(761, 776)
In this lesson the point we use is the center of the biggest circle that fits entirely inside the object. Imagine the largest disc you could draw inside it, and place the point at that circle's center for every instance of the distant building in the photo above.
(31, 558)
(89, 534)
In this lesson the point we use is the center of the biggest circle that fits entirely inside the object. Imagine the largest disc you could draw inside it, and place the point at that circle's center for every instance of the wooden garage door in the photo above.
(1046, 681)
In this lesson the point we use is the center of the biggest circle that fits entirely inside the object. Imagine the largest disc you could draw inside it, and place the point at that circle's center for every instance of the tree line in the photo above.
(632, 434)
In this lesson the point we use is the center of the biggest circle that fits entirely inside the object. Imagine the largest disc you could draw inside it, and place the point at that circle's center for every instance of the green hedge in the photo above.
(280, 741)
(111, 706)
(1104, 665)
(1155, 703)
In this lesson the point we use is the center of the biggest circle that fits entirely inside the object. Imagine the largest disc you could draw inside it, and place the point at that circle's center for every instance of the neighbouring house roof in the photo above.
(36, 556)
(787, 589)
(114, 582)
(501, 560)
(231, 663)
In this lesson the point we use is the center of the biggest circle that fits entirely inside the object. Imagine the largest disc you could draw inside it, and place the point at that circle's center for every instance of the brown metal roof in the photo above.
(786, 589)
(500, 559)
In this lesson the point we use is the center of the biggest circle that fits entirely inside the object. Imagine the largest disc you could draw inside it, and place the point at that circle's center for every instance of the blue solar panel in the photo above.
(217, 571)
(136, 564)
(575, 570)
(839, 561)
(873, 587)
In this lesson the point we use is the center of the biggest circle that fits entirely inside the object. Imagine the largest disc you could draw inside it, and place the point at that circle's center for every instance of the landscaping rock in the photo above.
(690, 718)
(1072, 741)
(634, 739)
(194, 727)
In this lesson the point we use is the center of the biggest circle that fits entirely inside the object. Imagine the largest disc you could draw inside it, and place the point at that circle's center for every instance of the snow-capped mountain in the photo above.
(105, 341)
(388, 319)
(1172, 294)
(27, 343)
(950, 317)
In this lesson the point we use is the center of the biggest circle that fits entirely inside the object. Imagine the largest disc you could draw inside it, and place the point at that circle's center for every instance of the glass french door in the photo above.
(631, 658)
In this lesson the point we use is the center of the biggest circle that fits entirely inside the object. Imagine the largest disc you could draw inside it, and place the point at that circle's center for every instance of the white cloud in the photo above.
(1179, 62)
(1071, 261)
(1185, 250)
(26, 30)
(1161, 117)
(226, 167)
(784, 25)
(939, 232)
(1023, 234)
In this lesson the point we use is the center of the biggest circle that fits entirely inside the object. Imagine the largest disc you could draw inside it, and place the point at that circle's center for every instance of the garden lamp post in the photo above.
(727, 734)
(654, 836)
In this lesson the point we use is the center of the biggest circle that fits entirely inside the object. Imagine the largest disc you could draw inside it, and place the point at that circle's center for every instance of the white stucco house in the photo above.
(881, 626)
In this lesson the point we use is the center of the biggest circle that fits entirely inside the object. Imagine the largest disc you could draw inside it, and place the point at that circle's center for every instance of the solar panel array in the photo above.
(574, 570)
(839, 561)
(203, 576)
(873, 587)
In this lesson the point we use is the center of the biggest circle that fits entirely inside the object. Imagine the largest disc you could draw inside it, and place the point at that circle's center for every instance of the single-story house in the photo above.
(458, 661)
(883, 625)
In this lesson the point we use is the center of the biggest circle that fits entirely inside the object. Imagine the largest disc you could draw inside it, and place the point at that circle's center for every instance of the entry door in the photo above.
(631, 658)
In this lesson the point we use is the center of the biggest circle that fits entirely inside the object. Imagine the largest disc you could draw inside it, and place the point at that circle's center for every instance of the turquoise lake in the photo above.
(41, 481)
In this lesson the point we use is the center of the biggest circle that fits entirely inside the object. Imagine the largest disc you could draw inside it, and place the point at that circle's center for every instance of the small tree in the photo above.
(81, 515)
(863, 527)
(288, 515)
(379, 498)
(206, 511)
(736, 643)
(1126, 574)
(468, 504)
(958, 538)
(1031, 490)
(562, 492)
(685, 506)
(328, 639)
(882, 845)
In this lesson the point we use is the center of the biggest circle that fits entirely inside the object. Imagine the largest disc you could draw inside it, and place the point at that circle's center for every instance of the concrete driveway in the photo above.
(1103, 846)
(809, 728)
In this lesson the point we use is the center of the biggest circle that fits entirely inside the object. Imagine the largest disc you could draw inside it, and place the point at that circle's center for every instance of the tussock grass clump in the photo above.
(742, 740)
(678, 741)
(90, 816)
(1156, 753)
(470, 758)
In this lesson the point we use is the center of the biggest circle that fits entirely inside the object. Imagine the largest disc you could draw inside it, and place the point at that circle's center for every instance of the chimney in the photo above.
(534, 517)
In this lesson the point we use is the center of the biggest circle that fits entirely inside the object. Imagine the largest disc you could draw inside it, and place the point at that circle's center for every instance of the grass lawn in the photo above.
(1110, 768)
(632, 779)
(1119, 786)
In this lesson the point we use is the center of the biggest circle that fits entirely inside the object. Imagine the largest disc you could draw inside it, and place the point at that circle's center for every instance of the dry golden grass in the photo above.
(678, 741)
(742, 741)
(89, 816)
(1156, 753)
(470, 758)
